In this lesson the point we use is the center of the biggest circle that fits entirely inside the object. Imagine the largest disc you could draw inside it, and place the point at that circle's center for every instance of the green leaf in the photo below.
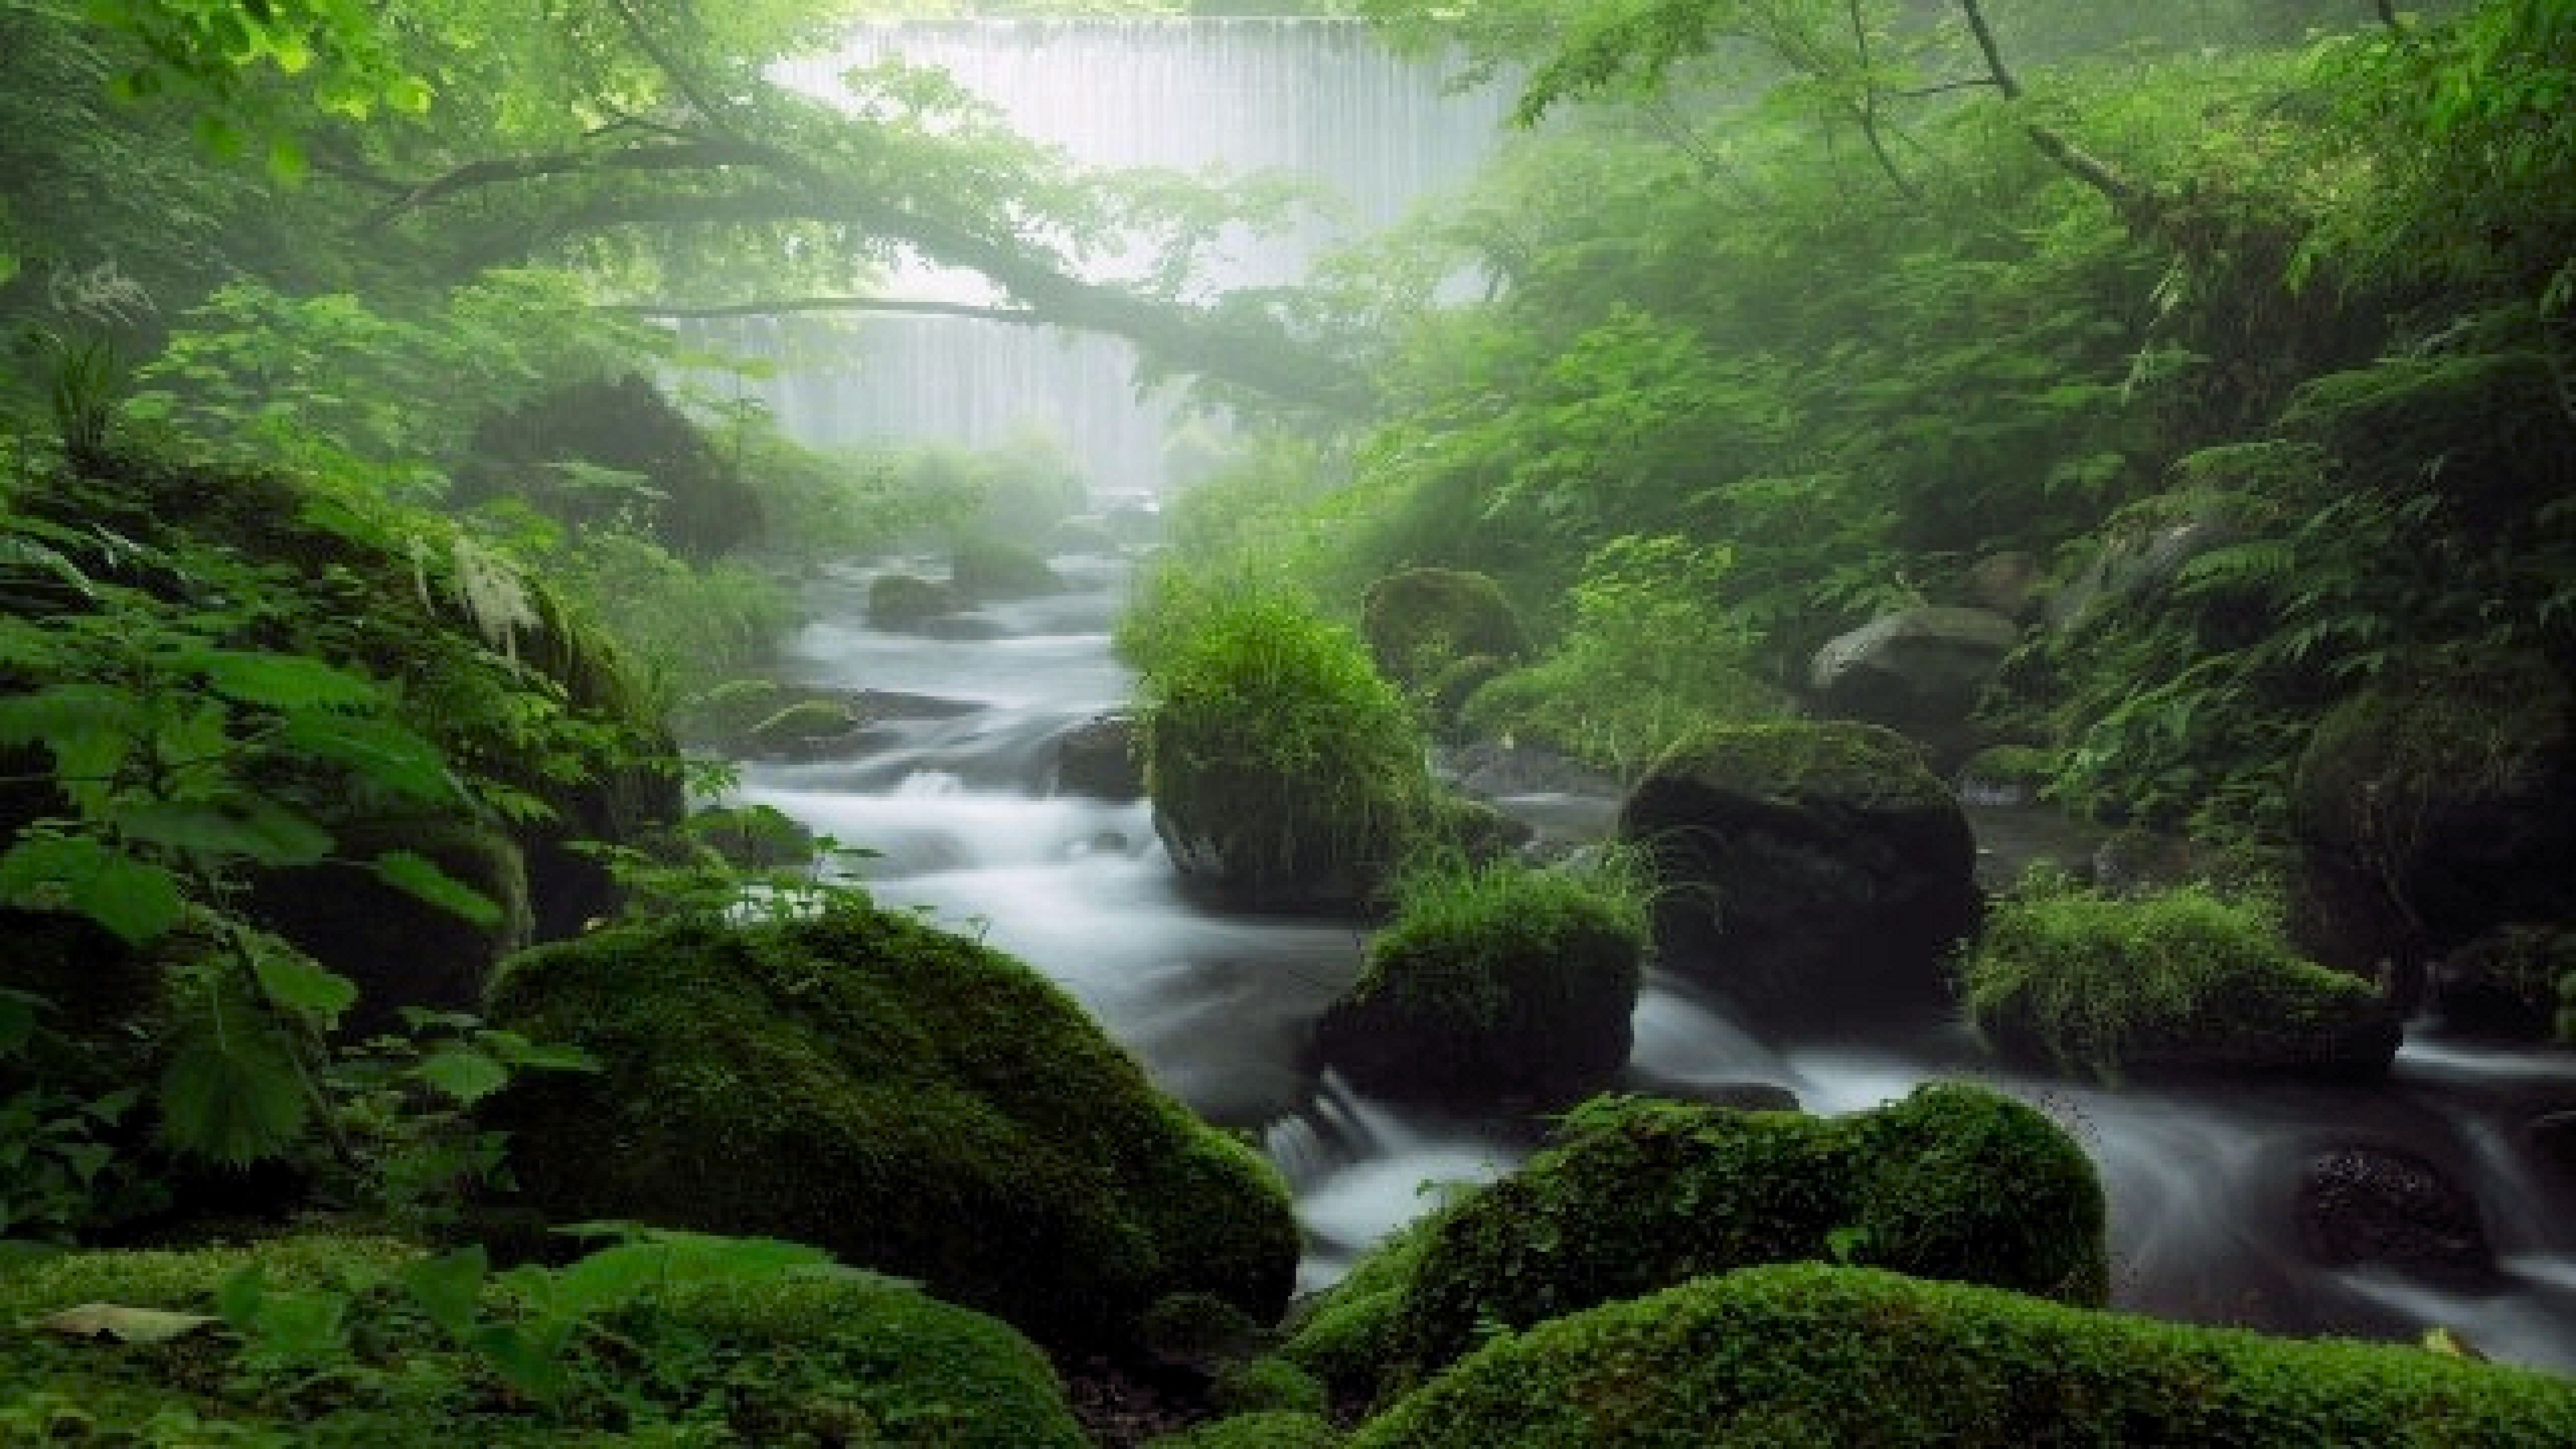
(283, 682)
(521, 1359)
(212, 832)
(233, 1094)
(384, 752)
(463, 1073)
(67, 711)
(296, 983)
(418, 876)
(125, 1324)
(449, 1289)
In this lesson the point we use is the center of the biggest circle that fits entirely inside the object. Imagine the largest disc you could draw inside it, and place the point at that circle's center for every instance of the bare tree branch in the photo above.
(1869, 108)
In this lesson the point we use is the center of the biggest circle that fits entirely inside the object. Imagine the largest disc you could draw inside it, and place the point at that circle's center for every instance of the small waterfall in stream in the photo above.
(1311, 96)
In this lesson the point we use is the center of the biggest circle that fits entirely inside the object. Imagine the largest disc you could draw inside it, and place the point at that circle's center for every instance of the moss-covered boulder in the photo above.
(801, 727)
(2505, 984)
(1643, 1194)
(611, 448)
(1272, 1429)
(2435, 805)
(2076, 981)
(906, 603)
(757, 1359)
(402, 951)
(1422, 622)
(900, 1096)
(1809, 872)
(1811, 1355)
(1286, 773)
(989, 568)
(1499, 983)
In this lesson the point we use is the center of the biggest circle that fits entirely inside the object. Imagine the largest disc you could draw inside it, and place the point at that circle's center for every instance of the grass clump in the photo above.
(1496, 979)
(1285, 771)
(1810, 1354)
(2073, 979)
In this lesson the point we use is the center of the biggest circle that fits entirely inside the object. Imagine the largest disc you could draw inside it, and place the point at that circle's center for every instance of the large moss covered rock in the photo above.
(1499, 983)
(900, 1096)
(1810, 872)
(1643, 1194)
(2101, 984)
(1811, 1355)
(1422, 622)
(2433, 806)
(755, 1359)
(609, 448)
(1916, 671)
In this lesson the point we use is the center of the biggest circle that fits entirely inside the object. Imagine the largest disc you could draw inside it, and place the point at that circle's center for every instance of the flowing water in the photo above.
(969, 828)
(2200, 1181)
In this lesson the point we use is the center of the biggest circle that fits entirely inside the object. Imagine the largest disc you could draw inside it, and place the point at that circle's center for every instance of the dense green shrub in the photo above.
(1813, 1355)
(1653, 654)
(1276, 1429)
(1285, 771)
(900, 1096)
(1642, 1194)
(2085, 982)
(1495, 980)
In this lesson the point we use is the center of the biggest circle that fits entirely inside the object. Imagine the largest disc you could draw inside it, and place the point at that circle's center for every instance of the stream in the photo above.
(2201, 1181)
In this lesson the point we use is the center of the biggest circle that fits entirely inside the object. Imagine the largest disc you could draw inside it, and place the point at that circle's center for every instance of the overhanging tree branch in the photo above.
(786, 305)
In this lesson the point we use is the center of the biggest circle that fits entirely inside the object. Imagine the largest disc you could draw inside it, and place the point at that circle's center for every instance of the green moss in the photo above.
(803, 721)
(900, 1096)
(1809, 760)
(986, 568)
(1349, 1336)
(1282, 767)
(1810, 1354)
(1421, 622)
(1283, 1429)
(900, 601)
(1643, 1194)
(2092, 983)
(1266, 1384)
(1495, 978)
(769, 1361)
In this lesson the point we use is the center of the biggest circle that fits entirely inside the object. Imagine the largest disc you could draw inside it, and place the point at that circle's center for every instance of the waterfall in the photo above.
(1316, 97)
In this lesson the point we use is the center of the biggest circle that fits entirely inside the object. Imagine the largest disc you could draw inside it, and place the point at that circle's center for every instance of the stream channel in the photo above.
(2202, 1181)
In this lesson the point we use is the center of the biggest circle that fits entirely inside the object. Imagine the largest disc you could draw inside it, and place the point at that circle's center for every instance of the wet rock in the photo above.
(1491, 769)
(1807, 871)
(1098, 758)
(990, 569)
(2429, 809)
(2006, 583)
(874, 705)
(906, 603)
(2504, 984)
(2369, 1205)
(1084, 533)
(1917, 672)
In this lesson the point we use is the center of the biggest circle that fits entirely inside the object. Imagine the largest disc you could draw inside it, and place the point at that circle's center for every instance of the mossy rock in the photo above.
(1809, 872)
(1642, 1194)
(2435, 805)
(1098, 758)
(902, 1097)
(1266, 1385)
(801, 726)
(564, 452)
(1275, 1429)
(1916, 671)
(1422, 622)
(1286, 773)
(400, 950)
(1814, 1355)
(987, 568)
(2095, 984)
(903, 603)
(775, 1360)
(2506, 983)
(1498, 983)
(752, 837)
